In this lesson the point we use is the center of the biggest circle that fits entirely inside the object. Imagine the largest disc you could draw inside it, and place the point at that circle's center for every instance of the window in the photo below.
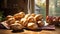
(40, 7)
(54, 7)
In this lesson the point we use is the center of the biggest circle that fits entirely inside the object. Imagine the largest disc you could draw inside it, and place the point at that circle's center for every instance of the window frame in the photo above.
(47, 6)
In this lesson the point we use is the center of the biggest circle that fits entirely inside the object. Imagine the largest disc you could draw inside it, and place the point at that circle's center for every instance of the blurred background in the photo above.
(10, 7)
(54, 7)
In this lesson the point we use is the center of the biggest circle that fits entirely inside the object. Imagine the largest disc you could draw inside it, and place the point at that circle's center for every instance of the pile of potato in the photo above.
(21, 20)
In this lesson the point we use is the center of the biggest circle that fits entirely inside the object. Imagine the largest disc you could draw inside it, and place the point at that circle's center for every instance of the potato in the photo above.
(40, 23)
(9, 16)
(33, 15)
(38, 17)
(16, 26)
(27, 15)
(11, 21)
(24, 22)
(19, 15)
(32, 26)
(31, 19)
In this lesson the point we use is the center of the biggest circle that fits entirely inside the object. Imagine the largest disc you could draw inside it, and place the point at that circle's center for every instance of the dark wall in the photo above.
(14, 6)
(1, 4)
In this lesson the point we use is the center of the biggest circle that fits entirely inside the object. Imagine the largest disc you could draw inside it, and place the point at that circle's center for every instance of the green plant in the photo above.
(1, 15)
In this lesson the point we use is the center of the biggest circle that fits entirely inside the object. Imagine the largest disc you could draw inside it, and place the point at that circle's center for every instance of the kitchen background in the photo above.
(10, 7)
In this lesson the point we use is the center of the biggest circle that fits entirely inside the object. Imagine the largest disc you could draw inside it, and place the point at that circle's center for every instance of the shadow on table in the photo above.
(37, 30)
(17, 31)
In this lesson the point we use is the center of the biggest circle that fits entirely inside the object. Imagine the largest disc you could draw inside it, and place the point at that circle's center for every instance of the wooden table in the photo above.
(56, 31)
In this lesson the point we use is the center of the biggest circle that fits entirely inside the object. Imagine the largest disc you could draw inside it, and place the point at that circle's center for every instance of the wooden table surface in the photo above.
(56, 31)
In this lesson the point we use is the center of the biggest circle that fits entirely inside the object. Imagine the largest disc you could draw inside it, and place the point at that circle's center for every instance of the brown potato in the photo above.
(17, 21)
(32, 26)
(27, 15)
(11, 21)
(40, 23)
(38, 17)
(19, 15)
(24, 22)
(16, 26)
(31, 19)
(9, 16)
(33, 15)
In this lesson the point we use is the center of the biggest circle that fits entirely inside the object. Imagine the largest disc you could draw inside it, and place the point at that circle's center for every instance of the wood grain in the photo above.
(56, 31)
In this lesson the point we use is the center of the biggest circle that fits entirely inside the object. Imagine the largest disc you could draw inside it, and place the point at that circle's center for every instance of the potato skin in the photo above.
(19, 15)
(40, 23)
(38, 17)
(32, 26)
(31, 19)
(16, 27)
(9, 16)
(33, 15)
(10, 21)
(27, 16)
(24, 22)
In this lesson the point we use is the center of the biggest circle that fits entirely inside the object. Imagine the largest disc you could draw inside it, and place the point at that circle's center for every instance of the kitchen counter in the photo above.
(56, 31)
